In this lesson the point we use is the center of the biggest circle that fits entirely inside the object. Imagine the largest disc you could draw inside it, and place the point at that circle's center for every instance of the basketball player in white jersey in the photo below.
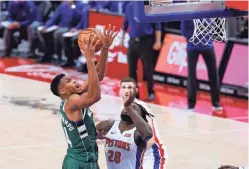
(155, 156)
(126, 140)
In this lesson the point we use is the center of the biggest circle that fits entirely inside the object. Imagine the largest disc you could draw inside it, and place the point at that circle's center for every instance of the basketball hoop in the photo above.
(209, 30)
(206, 31)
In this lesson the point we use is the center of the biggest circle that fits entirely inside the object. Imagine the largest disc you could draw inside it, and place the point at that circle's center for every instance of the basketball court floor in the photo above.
(32, 137)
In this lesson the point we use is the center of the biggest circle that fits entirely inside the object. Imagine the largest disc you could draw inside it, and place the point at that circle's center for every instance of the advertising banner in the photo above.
(173, 58)
(237, 68)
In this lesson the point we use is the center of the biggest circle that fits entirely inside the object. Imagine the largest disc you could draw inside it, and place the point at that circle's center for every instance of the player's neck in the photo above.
(64, 97)
(125, 126)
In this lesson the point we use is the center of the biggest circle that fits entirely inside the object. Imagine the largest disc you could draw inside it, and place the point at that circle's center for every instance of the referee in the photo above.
(208, 54)
(143, 40)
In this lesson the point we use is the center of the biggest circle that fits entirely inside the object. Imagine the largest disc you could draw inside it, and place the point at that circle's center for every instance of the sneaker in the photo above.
(217, 108)
(151, 97)
(190, 109)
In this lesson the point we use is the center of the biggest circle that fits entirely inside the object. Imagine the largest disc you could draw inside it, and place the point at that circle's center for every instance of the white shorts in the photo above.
(153, 159)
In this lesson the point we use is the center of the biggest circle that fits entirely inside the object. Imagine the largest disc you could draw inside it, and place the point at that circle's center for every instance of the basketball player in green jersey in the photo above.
(76, 117)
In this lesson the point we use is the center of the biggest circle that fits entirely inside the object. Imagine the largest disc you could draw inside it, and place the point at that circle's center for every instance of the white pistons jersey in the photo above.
(121, 150)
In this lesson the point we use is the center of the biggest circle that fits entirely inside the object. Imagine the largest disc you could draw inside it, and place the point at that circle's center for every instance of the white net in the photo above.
(206, 30)
(209, 30)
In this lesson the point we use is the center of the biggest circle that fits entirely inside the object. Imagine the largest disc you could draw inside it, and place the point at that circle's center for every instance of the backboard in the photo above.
(176, 10)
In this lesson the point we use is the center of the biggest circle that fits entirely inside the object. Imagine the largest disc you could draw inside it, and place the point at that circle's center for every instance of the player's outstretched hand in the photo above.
(89, 47)
(228, 167)
(130, 99)
(109, 35)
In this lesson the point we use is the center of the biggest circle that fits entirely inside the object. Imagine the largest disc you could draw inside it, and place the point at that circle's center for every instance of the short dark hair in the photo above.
(144, 112)
(55, 84)
(129, 79)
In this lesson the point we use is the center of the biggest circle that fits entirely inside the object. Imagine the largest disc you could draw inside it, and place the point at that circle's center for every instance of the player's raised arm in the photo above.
(93, 93)
(109, 35)
(143, 132)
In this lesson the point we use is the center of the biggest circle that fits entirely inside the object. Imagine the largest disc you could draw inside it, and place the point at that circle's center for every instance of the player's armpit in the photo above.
(151, 142)
(78, 102)
(105, 125)
(139, 141)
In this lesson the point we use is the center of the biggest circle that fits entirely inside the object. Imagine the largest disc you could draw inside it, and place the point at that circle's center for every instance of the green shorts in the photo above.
(72, 163)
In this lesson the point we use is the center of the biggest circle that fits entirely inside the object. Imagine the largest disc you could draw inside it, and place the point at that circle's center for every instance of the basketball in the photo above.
(91, 32)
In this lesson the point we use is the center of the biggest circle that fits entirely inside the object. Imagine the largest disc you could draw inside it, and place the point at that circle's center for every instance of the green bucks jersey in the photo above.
(80, 136)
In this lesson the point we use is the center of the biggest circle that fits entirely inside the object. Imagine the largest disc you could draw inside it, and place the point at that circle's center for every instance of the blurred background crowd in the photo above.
(29, 20)
(47, 32)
